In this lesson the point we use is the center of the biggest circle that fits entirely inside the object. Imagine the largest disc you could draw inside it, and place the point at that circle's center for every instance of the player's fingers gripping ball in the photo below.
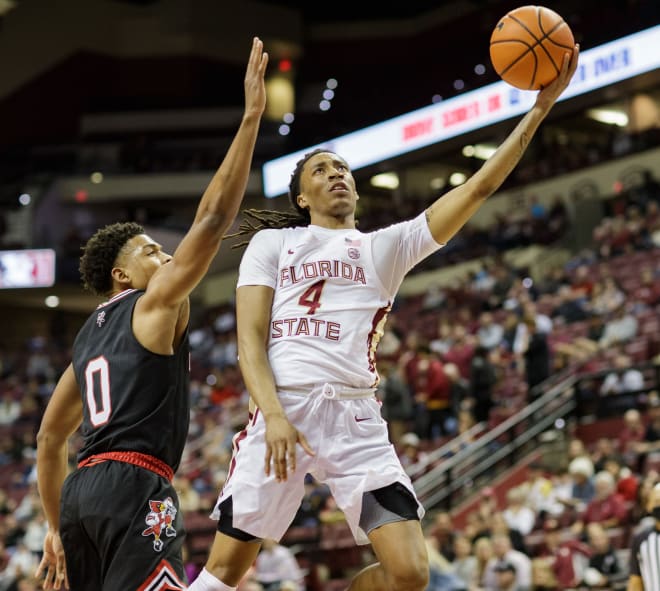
(528, 45)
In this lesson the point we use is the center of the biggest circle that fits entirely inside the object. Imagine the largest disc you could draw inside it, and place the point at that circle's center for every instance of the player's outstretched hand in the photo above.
(548, 95)
(255, 87)
(281, 440)
(53, 566)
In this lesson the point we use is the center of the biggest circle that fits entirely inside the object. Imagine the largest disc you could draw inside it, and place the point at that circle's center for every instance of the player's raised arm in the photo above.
(221, 200)
(451, 211)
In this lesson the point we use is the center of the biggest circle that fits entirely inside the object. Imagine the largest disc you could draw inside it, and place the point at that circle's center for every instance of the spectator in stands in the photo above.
(538, 491)
(568, 558)
(607, 296)
(277, 565)
(499, 525)
(506, 577)
(10, 408)
(411, 454)
(459, 390)
(581, 470)
(603, 569)
(443, 533)
(632, 433)
(517, 514)
(536, 352)
(462, 349)
(648, 292)
(650, 442)
(465, 562)
(490, 333)
(604, 448)
(22, 563)
(485, 554)
(395, 395)
(620, 328)
(626, 480)
(624, 379)
(441, 572)
(483, 378)
(432, 394)
(189, 498)
(571, 305)
(503, 551)
(607, 507)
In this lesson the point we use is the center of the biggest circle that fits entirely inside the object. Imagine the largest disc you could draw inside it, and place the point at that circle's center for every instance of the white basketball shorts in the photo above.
(353, 456)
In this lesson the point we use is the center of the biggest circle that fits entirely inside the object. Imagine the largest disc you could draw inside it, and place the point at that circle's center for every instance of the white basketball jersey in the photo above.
(333, 291)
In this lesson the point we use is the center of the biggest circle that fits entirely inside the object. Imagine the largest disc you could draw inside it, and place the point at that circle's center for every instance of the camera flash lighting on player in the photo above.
(385, 180)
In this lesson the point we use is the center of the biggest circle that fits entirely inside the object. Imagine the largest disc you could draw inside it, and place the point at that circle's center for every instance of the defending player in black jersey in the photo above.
(114, 524)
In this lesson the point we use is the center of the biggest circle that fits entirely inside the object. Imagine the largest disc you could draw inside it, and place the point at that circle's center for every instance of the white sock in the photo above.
(205, 581)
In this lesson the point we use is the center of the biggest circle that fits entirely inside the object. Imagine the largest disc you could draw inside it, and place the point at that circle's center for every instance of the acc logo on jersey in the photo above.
(159, 519)
(100, 319)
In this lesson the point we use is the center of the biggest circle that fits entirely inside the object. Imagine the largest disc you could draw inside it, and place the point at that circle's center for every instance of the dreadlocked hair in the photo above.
(260, 219)
(100, 253)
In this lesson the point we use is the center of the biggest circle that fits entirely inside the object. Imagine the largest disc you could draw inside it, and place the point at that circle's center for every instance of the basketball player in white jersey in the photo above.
(311, 304)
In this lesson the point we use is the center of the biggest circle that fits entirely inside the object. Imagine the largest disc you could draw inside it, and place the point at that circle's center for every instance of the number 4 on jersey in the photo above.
(311, 299)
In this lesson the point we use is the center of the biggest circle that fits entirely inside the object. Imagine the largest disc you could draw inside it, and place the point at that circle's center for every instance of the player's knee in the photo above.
(410, 575)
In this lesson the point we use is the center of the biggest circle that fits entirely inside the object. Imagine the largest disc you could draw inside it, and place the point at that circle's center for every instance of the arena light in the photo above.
(385, 180)
(599, 67)
(609, 116)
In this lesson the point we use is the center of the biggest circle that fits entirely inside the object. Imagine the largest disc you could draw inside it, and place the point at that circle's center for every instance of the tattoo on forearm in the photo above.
(524, 140)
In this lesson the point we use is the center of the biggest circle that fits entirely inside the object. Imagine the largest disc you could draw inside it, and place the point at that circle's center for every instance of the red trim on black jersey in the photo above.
(131, 457)
(164, 578)
(116, 297)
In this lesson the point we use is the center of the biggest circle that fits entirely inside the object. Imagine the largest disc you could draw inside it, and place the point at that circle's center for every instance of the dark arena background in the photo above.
(116, 110)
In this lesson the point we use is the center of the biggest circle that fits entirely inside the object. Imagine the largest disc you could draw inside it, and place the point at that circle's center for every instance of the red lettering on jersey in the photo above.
(359, 276)
(306, 327)
(332, 331)
(324, 268)
(310, 271)
(303, 327)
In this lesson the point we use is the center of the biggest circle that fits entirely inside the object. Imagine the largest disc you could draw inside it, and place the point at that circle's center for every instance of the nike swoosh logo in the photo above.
(357, 420)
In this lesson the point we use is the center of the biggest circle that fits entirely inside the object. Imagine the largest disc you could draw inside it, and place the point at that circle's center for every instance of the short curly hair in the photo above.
(100, 253)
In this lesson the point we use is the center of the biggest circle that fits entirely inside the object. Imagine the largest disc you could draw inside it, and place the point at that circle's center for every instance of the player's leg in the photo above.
(83, 566)
(232, 554)
(227, 563)
(402, 560)
(389, 516)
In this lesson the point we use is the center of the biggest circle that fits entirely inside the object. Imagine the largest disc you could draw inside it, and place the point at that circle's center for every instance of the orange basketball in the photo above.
(528, 45)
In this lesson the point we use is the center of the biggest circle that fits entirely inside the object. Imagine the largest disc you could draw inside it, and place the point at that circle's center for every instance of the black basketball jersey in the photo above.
(133, 399)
